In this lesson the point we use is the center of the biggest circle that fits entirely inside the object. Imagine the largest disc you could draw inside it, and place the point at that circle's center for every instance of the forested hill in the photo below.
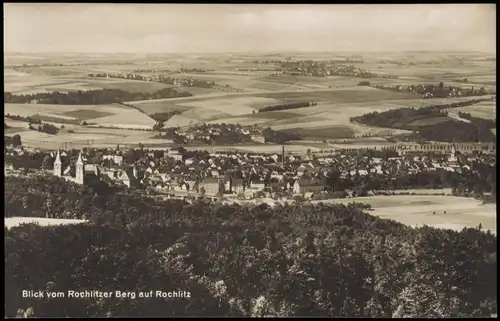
(91, 97)
(240, 261)
(431, 124)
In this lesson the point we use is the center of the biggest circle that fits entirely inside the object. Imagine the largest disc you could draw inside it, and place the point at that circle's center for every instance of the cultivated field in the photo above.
(416, 210)
(113, 115)
(339, 97)
(88, 136)
(235, 106)
(485, 109)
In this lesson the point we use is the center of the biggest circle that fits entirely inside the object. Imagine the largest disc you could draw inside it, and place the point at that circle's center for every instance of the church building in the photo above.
(83, 173)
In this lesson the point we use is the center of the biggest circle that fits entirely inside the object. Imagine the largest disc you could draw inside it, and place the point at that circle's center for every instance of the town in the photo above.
(467, 169)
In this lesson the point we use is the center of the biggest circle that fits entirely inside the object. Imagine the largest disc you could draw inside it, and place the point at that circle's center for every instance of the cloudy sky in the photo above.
(204, 28)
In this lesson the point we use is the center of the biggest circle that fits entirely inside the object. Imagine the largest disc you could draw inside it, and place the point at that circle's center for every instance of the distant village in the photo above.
(322, 69)
(436, 91)
(175, 81)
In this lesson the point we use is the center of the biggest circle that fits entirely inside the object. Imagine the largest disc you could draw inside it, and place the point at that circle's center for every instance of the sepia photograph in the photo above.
(250, 160)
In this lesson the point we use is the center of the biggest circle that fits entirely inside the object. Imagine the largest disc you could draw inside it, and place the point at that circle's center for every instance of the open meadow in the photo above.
(485, 109)
(418, 210)
(10, 222)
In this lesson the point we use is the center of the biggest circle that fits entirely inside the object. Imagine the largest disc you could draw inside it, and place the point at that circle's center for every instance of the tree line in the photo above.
(294, 260)
(278, 137)
(27, 119)
(92, 97)
(164, 116)
(287, 106)
(14, 141)
(477, 130)
(477, 183)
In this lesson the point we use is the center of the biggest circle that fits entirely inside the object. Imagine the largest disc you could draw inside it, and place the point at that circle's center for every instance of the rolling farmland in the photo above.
(338, 97)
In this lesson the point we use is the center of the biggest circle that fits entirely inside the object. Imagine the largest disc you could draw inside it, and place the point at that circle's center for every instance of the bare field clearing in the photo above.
(10, 222)
(416, 210)
(433, 71)
(33, 136)
(13, 131)
(197, 91)
(236, 103)
(163, 106)
(339, 95)
(85, 114)
(26, 110)
(325, 82)
(367, 94)
(28, 84)
(234, 106)
(204, 114)
(42, 116)
(94, 84)
(128, 85)
(244, 81)
(327, 132)
(331, 120)
(74, 71)
(130, 118)
(181, 121)
(245, 72)
(40, 79)
(15, 123)
(485, 79)
(485, 109)
(244, 121)
(113, 115)
(89, 137)
(270, 86)
(325, 121)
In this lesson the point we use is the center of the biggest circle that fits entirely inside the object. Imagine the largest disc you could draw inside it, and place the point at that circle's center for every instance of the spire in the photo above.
(80, 160)
(58, 158)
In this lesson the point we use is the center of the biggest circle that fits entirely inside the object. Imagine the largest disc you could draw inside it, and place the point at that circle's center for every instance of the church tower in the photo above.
(80, 170)
(452, 159)
(58, 165)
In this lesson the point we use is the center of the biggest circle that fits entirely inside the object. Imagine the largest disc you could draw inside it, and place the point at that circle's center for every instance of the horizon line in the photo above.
(255, 52)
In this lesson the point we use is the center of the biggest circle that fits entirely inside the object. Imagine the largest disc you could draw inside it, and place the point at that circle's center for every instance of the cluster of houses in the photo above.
(179, 173)
(242, 175)
(431, 91)
(219, 133)
(321, 69)
(178, 82)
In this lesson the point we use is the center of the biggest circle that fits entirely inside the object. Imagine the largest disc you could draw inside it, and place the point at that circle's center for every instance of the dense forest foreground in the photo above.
(296, 260)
